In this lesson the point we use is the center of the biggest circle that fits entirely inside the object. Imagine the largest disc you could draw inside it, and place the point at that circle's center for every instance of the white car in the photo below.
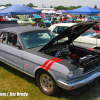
(89, 39)
(20, 22)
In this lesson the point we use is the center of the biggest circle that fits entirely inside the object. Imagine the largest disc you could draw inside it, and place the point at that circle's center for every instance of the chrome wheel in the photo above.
(46, 82)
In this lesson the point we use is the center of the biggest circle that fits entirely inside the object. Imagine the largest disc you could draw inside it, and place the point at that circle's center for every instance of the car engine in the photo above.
(65, 54)
(80, 57)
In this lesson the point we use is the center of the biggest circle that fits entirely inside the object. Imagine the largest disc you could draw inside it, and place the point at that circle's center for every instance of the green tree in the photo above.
(2, 5)
(95, 6)
(51, 6)
(78, 6)
(30, 5)
(24, 5)
(72, 7)
(8, 4)
(60, 7)
(67, 8)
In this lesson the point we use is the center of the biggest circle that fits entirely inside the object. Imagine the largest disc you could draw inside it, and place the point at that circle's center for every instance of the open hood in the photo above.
(71, 33)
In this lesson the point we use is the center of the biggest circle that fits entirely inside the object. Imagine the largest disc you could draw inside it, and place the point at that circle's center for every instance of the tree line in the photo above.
(60, 7)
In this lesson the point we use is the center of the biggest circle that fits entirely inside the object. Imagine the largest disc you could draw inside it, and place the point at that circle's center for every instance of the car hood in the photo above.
(72, 33)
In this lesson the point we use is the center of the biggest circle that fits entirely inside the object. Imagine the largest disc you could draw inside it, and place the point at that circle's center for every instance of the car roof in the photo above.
(22, 29)
(61, 24)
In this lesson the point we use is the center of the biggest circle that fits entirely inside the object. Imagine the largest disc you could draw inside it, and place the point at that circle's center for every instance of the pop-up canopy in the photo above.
(83, 10)
(18, 10)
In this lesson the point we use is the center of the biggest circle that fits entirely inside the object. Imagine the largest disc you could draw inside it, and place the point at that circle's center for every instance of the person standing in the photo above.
(60, 19)
(52, 20)
(80, 17)
(84, 18)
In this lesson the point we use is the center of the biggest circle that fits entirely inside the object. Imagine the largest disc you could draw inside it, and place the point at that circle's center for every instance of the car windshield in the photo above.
(36, 38)
(89, 32)
(32, 19)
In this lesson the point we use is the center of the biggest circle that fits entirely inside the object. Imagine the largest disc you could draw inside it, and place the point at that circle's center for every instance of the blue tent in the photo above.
(83, 10)
(18, 10)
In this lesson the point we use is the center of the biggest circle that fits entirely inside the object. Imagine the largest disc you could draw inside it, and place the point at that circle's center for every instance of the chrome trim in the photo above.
(8, 61)
(84, 81)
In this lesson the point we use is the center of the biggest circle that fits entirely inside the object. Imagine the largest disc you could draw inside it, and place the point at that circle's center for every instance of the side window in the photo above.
(1, 36)
(55, 30)
(61, 29)
(12, 39)
(4, 37)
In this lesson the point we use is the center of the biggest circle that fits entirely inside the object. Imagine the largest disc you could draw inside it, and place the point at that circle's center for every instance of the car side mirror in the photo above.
(19, 46)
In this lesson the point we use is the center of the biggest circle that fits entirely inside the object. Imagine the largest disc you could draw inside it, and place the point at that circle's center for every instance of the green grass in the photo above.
(12, 80)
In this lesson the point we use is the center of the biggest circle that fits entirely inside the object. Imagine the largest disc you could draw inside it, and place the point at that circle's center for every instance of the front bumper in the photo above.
(73, 85)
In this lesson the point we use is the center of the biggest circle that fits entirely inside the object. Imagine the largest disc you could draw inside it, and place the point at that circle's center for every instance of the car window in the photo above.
(12, 39)
(55, 30)
(38, 38)
(4, 37)
(59, 29)
(32, 19)
(89, 32)
(26, 20)
(1, 36)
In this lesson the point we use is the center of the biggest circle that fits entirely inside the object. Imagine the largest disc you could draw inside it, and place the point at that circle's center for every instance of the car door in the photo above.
(89, 41)
(9, 53)
(77, 41)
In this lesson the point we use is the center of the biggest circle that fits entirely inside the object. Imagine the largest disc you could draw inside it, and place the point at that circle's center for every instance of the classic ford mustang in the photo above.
(54, 63)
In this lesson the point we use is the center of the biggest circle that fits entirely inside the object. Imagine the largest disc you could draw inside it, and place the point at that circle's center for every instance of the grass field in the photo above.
(13, 81)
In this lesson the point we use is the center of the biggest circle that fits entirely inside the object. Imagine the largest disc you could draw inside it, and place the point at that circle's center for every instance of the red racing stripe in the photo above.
(58, 60)
(48, 62)
(47, 68)
(45, 64)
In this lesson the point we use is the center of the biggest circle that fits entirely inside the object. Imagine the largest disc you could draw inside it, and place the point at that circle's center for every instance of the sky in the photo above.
(54, 3)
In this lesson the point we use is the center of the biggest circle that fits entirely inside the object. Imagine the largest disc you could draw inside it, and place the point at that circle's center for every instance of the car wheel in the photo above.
(46, 83)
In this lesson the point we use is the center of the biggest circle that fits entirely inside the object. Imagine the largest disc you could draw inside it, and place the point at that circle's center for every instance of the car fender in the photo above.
(57, 71)
(38, 68)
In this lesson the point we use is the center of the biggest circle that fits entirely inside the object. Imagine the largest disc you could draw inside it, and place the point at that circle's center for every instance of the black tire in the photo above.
(46, 83)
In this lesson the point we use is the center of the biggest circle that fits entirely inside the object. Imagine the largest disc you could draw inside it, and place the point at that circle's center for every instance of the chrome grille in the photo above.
(91, 65)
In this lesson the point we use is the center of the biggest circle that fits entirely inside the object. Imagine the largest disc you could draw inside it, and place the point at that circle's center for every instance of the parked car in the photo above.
(55, 64)
(88, 39)
(20, 22)
(32, 21)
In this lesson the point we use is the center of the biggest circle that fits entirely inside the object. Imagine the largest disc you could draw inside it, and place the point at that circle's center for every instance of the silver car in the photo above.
(55, 64)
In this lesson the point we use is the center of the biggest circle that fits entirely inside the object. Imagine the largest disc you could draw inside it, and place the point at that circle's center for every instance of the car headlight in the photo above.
(70, 74)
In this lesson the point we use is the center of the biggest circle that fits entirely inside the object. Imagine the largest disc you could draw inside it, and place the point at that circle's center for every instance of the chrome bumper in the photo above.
(81, 82)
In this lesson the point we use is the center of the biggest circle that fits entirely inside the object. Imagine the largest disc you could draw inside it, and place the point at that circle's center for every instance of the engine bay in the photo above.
(76, 56)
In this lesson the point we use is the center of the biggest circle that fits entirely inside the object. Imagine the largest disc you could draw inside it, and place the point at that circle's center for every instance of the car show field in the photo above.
(61, 64)
(49, 55)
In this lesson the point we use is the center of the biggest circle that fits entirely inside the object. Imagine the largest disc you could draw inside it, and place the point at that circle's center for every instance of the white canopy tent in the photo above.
(49, 12)
(2, 7)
